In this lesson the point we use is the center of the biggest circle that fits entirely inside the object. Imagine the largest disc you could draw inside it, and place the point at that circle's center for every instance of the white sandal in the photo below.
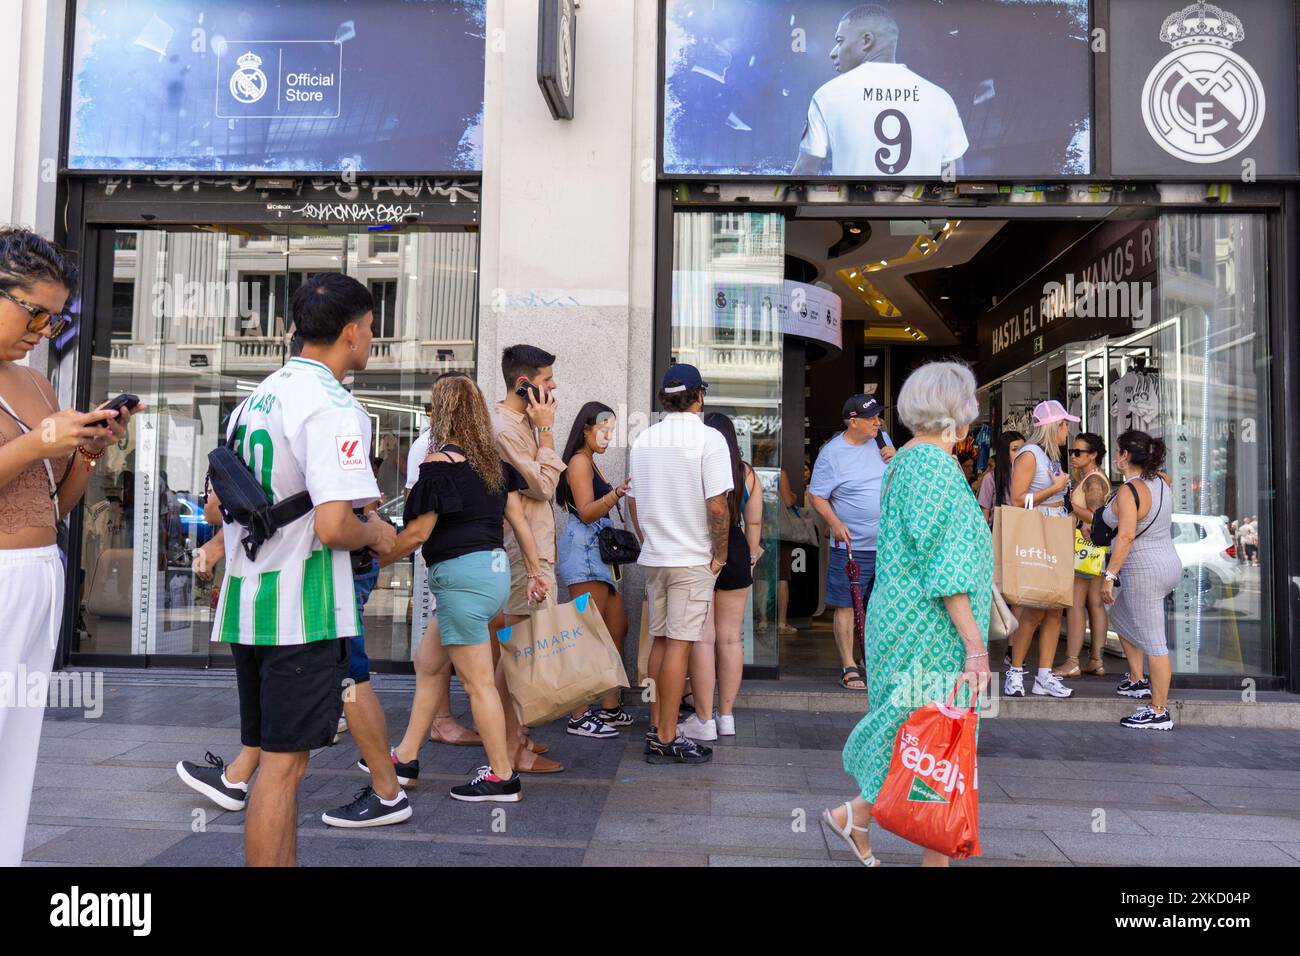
(846, 834)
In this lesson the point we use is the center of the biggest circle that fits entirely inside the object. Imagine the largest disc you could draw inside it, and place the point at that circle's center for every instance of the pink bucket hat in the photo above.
(1051, 412)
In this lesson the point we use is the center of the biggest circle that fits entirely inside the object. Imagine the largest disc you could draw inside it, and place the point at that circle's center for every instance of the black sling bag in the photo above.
(243, 499)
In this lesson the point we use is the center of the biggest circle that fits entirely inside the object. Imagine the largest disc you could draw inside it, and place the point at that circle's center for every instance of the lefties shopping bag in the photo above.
(1033, 558)
(930, 796)
(562, 656)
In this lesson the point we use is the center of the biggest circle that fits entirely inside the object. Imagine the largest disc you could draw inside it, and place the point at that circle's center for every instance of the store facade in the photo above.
(665, 221)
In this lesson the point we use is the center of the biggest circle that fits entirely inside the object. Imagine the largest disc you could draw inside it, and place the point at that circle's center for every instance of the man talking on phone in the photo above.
(524, 423)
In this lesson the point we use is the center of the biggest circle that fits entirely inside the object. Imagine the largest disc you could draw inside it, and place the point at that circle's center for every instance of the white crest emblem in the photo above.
(1202, 102)
(248, 83)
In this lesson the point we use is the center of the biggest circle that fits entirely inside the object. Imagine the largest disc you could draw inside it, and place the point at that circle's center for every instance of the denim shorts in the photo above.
(362, 584)
(471, 590)
(837, 581)
(579, 553)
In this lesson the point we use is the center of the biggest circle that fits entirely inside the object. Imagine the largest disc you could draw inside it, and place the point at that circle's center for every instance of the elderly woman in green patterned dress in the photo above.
(927, 622)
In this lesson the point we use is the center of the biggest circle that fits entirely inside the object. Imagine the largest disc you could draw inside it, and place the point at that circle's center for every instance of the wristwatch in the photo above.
(543, 428)
(1110, 576)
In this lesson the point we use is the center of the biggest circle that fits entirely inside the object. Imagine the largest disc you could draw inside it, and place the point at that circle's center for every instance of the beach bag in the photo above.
(930, 796)
(1033, 562)
(561, 658)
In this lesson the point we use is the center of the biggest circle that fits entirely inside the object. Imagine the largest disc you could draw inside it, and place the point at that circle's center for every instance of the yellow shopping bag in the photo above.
(1089, 559)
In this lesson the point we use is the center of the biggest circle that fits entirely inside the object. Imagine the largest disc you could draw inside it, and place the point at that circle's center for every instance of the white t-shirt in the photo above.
(415, 458)
(299, 431)
(849, 115)
(675, 466)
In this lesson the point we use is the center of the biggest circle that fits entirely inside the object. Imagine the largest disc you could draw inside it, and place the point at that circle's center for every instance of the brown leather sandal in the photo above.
(464, 737)
(534, 763)
(1065, 669)
(1095, 667)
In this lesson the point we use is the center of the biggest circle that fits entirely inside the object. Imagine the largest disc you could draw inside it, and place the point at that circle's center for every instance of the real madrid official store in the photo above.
(1098, 247)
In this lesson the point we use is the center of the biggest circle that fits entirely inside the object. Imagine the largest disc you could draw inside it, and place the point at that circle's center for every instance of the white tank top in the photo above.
(1043, 478)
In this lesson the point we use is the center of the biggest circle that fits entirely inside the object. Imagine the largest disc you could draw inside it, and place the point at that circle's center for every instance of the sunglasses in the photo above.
(41, 319)
(1074, 452)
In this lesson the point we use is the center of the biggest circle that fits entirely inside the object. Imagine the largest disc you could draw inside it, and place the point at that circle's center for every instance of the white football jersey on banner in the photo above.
(299, 431)
(883, 119)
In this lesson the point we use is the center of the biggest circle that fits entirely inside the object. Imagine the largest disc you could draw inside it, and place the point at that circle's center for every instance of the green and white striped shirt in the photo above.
(299, 431)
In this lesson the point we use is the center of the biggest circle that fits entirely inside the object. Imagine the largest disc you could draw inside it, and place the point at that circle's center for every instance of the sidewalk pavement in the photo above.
(1052, 793)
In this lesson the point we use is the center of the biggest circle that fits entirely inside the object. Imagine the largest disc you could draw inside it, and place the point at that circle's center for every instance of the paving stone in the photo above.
(81, 804)
(722, 859)
(697, 830)
(1290, 848)
(1127, 850)
(1017, 816)
(1224, 826)
(80, 750)
(38, 834)
(624, 798)
(1099, 793)
(599, 856)
(203, 737)
(1249, 798)
(101, 777)
(107, 846)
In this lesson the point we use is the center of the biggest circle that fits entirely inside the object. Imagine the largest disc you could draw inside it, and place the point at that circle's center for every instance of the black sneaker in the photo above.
(650, 735)
(589, 725)
(408, 774)
(618, 717)
(212, 783)
(1148, 718)
(1140, 689)
(681, 750)
(367, 810)
(487, 786)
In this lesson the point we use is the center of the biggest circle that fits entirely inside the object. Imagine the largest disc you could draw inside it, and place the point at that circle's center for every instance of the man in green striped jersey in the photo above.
(287, 611)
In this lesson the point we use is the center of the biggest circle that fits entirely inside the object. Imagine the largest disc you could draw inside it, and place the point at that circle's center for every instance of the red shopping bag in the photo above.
(931, 794)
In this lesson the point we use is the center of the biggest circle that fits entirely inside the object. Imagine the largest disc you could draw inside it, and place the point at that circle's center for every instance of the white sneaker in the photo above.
(697, 729)
(1051, 686)
(1014, 686)
(726, 725)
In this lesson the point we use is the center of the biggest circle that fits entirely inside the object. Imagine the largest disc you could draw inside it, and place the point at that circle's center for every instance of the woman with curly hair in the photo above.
(454, 513)
(38, 442)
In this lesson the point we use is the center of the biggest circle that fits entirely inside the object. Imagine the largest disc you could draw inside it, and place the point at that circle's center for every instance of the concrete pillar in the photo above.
(567, 246)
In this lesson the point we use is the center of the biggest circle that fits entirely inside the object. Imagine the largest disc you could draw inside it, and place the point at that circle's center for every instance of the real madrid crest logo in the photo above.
(1203, 103)
(248, 83)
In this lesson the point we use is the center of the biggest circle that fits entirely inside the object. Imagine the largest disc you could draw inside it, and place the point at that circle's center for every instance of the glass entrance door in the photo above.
(728, 276)
(191, 320)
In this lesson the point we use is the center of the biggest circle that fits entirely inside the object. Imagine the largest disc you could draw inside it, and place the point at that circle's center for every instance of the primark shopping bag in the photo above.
(560, 658)
(1033, 557)
(930, 796)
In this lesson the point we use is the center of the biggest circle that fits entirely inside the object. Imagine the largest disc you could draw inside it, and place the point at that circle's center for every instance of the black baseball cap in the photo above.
(862, 406)
(686, 376)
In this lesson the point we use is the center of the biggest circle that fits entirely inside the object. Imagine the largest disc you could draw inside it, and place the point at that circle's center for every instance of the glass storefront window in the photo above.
(728, 271)
(198, 318)
(1195, 376)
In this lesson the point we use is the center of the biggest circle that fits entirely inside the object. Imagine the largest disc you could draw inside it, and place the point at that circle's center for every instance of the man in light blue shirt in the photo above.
(845, 490)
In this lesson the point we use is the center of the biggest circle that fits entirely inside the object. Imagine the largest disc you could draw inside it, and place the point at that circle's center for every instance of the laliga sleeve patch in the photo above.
(352, 452)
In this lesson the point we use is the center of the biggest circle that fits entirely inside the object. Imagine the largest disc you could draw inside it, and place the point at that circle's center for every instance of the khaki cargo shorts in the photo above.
(679, 600)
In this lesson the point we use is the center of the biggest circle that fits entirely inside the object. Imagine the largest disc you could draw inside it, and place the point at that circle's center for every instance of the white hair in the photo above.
(938, 397)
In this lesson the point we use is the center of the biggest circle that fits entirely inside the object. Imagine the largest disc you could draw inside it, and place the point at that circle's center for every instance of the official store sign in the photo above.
(270, 79)
(327, 87)
(1217, 88)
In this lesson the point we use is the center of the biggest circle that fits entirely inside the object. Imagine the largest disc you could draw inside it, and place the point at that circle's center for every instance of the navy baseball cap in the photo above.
(686, 377)
(863, 406)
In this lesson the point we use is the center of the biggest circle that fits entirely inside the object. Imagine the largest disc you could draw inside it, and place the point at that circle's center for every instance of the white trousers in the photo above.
(31, 606)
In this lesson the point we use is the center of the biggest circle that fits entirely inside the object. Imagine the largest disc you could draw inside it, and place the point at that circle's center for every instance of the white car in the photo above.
(1203, 542)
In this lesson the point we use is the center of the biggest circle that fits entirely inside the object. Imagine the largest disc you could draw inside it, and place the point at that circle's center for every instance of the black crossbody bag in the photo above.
(617, 545)
(243, 499)
(1108, 533)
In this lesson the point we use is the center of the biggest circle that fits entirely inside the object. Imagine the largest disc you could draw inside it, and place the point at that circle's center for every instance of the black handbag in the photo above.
(617, 545)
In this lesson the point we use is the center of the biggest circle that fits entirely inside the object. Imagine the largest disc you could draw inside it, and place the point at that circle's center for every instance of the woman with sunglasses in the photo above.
(1091, 489)
(46, 459)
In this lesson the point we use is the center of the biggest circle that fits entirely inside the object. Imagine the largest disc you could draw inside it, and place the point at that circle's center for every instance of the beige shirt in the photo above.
(541, 468)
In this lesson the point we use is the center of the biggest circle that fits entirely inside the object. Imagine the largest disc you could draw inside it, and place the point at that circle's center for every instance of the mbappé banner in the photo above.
(325, 86)
(908, 88)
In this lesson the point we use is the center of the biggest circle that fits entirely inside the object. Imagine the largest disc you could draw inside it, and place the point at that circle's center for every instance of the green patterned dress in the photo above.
(933, 542)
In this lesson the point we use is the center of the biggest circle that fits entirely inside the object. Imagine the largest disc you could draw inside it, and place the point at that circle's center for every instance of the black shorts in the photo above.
(290, 697)
(736, 573)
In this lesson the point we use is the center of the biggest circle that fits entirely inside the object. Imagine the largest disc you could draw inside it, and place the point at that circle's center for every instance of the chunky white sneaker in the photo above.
(726, 725)
(1148, 718)
(1051, 686)
(697, 729)
(1014, 685)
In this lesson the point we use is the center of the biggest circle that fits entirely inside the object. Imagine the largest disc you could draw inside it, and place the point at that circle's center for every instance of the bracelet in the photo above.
(980, 654)
(543, 428)
(90, 456)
